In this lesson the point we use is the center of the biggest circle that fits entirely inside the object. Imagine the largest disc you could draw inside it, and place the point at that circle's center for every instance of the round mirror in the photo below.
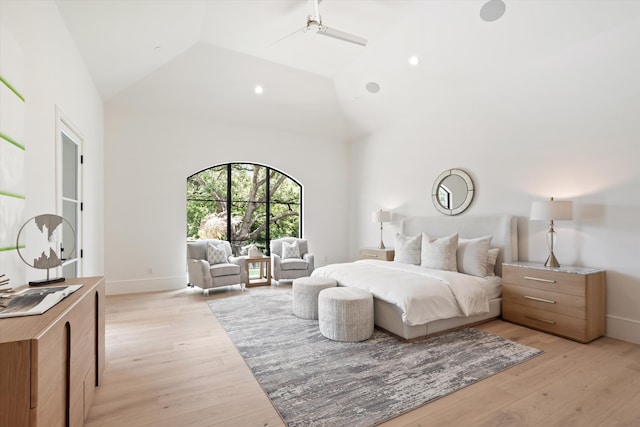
(452, 192)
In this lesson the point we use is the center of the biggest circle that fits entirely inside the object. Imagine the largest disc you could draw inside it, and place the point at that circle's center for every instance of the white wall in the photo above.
(543, 102)
(588, 152)
(148, 157)
(56, 77)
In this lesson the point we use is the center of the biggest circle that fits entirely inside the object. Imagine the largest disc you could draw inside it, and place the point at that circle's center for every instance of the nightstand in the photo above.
(565, 301)
(376, 253)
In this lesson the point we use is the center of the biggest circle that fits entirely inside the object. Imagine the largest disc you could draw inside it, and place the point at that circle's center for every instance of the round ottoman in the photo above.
(305, 295)
(345, 314)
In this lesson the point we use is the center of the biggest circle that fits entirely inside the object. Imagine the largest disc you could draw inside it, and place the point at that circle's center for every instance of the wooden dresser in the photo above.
(50, 364)
(376, 253)
(565, 301)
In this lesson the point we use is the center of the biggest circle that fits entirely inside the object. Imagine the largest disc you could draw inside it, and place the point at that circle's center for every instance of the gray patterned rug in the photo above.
(313, 381)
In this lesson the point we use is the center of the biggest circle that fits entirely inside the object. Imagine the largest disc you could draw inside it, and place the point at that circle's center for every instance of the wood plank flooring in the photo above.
(170, 363)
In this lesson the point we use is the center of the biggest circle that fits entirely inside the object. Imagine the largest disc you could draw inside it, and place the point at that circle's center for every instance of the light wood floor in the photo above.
(169, 363)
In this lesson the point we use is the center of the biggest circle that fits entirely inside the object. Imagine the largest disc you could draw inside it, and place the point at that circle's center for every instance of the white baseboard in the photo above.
(623, 329)
(145, 285)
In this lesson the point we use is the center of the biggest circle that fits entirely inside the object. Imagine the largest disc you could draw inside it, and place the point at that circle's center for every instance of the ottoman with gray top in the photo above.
(345, 314)
(305, 295)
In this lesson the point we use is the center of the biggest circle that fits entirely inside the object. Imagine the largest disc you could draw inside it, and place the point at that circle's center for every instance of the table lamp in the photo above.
(381, 217)
(551, 210)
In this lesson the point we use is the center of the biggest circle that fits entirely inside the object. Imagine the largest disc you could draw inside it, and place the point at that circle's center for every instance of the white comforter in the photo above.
(423, 295)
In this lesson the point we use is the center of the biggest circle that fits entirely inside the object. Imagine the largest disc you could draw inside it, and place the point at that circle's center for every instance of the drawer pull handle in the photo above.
(537, 279)
(548, 301)
(551, 322)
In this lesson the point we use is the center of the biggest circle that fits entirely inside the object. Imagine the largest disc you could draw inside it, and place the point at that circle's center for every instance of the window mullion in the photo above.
(268, 210)
(229, 203)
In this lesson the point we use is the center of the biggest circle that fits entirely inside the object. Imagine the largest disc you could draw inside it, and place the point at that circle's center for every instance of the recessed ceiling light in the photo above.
(414, 60)
(492, 10)
(258, 90)
(372, 87)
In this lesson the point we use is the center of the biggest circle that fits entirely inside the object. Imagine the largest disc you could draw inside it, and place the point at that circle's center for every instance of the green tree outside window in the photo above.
(243, 203)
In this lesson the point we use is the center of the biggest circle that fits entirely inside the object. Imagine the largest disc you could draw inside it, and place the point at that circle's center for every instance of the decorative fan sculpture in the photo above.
(39, 244)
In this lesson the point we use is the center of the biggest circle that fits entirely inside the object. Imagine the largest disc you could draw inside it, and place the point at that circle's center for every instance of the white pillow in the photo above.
(216, 255)
(439, 254)
(472, 255)
(492, 259)
(408, 249)
(290, 250)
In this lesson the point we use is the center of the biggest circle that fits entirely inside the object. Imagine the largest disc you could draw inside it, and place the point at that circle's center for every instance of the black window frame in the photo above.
(268, 201)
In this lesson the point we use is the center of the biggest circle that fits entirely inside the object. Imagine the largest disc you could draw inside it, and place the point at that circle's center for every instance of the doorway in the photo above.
(69, 174)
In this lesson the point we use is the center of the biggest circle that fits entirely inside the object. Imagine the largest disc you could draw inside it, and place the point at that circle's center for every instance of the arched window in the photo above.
(233, 202)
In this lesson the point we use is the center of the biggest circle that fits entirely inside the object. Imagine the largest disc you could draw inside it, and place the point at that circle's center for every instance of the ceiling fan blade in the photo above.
(313, 10)
(341, 35)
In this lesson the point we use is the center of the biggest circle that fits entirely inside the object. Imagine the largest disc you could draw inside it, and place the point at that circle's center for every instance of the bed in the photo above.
(404, 306)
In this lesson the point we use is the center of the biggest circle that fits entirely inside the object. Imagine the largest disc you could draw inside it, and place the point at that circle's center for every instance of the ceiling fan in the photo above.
(315, 25)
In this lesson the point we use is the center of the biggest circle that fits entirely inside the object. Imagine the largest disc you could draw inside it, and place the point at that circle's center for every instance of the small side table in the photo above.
(386, 254)
(263, 276)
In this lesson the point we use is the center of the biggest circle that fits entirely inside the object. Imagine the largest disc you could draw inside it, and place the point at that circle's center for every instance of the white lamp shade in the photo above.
(551, 210)
(381, 216)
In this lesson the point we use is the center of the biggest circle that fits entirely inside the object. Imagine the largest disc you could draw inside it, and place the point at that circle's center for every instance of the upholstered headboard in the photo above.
(503, 228)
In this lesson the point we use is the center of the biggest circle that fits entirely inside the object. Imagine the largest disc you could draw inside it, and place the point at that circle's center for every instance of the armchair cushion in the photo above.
(216, 255)
(224, 269)
(290, 250)
(276, 245)
(294, 264)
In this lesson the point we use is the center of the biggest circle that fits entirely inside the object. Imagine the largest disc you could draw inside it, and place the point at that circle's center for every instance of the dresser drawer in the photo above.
(569, 305)
(547, 321)
(552, 281)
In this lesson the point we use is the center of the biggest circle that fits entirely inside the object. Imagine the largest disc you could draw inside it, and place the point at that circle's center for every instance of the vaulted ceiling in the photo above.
(204, 57)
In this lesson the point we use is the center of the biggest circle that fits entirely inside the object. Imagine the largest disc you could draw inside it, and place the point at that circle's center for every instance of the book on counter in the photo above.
(31, 301)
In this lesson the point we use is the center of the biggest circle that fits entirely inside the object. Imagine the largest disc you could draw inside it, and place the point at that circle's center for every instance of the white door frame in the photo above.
(65, 126)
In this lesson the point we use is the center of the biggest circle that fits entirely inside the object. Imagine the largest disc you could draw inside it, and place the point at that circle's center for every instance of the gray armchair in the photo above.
(290, 268)
(205, 275)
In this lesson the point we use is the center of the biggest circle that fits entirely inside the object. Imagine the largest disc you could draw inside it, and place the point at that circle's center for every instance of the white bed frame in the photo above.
(503, 228)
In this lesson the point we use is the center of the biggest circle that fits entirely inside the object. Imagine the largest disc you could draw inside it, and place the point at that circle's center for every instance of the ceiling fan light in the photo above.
(259, 90)
(313, 26)
(414, 60)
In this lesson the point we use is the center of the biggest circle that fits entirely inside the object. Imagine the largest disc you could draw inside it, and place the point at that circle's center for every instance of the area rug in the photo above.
(314, 381)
